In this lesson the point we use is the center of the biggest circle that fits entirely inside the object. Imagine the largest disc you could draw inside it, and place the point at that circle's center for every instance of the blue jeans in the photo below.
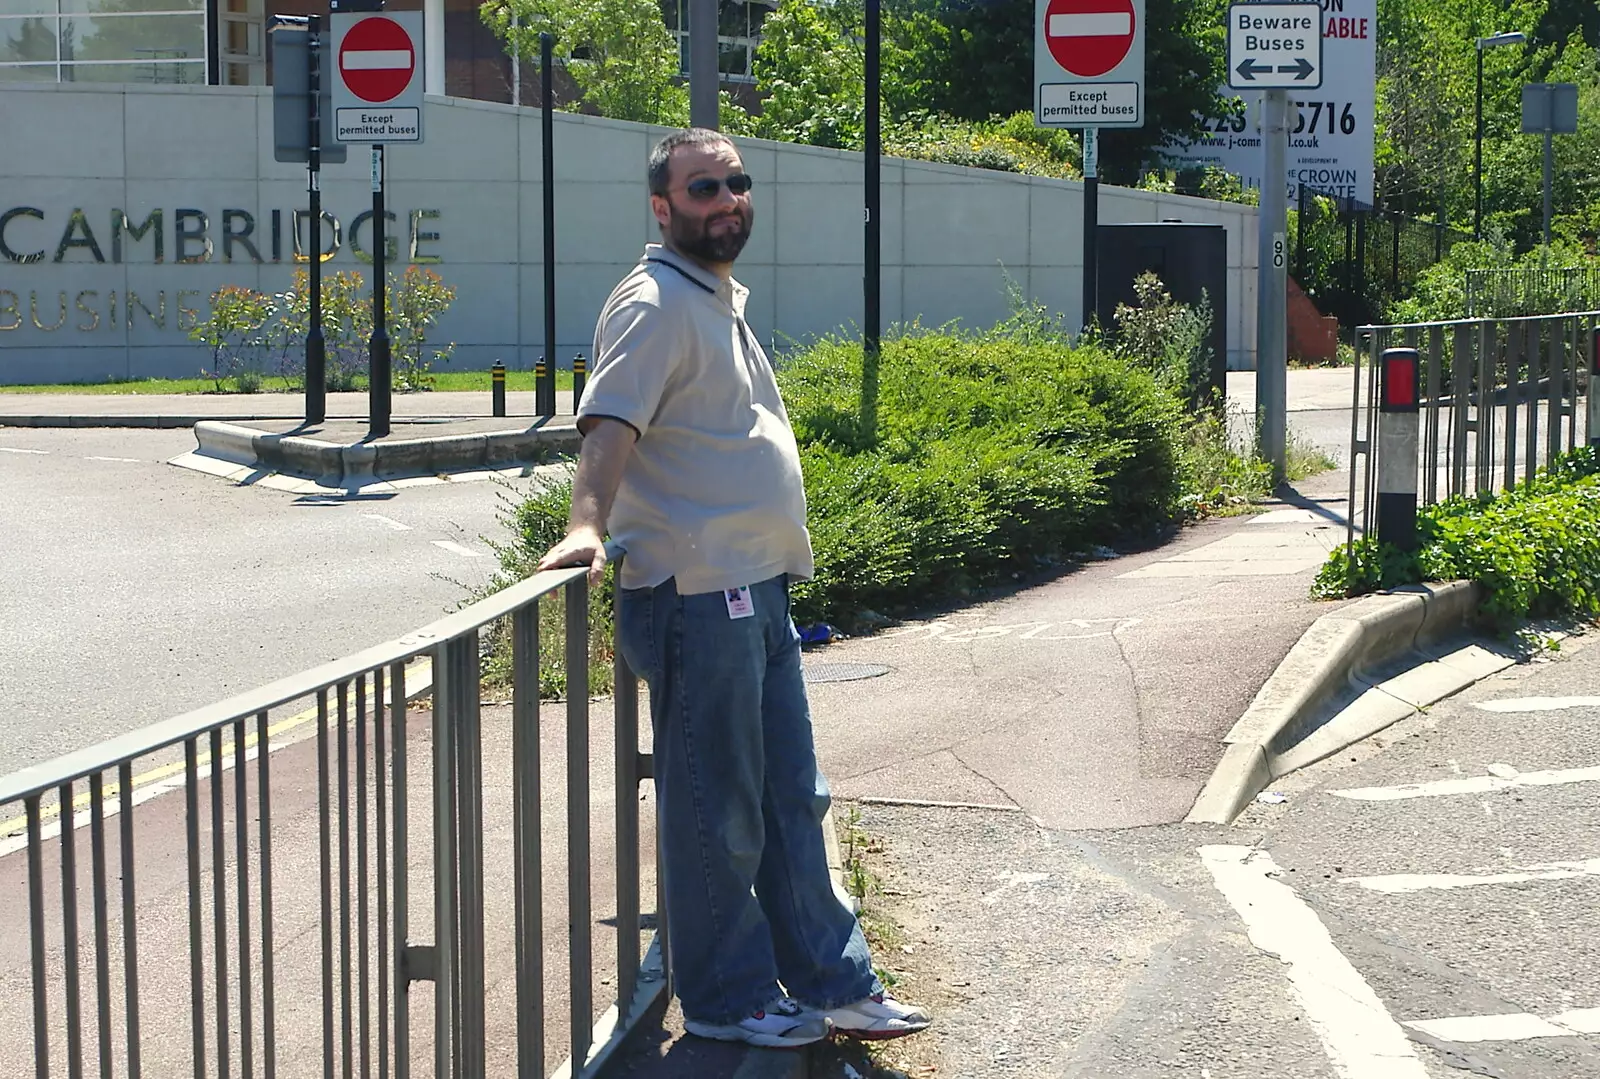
(741, 805)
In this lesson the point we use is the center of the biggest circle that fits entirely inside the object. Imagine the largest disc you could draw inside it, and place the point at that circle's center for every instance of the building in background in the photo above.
(225, 43)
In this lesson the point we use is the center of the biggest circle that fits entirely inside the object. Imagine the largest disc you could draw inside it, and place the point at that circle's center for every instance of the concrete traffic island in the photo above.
(338, 454)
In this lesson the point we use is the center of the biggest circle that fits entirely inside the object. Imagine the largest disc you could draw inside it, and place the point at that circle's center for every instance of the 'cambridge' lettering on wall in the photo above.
(26, 234)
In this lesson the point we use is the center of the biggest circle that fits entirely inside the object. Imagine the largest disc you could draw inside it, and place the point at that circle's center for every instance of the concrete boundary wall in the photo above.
(97, 303)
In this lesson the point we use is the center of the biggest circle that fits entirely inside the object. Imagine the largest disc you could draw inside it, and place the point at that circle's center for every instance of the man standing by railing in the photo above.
(689, 460)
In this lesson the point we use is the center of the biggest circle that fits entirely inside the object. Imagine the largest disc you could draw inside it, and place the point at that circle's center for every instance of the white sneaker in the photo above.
(878, 1018)
(783, 1024)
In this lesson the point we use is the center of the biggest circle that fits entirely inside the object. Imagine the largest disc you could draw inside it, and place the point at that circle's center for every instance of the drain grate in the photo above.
(844, 672)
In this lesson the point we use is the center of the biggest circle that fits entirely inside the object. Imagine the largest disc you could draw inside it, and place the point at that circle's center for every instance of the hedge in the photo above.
(997, 453)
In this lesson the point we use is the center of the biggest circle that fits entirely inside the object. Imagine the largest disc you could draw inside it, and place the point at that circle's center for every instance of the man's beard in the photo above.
(697, 241)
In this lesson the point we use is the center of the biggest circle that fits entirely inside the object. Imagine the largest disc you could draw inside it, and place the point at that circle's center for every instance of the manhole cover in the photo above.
(844, 672)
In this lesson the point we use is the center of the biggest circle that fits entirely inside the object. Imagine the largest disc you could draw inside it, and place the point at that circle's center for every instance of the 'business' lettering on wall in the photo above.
(28, 236)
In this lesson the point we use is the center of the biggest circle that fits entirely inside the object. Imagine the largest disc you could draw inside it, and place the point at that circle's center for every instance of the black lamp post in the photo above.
(1515, 37)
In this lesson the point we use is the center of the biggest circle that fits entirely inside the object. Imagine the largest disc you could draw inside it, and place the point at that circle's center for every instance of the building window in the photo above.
(102, 41)
(239, 44)
(738, 34)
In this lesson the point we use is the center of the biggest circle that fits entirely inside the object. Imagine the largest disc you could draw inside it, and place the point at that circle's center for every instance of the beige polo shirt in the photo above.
(711, 494)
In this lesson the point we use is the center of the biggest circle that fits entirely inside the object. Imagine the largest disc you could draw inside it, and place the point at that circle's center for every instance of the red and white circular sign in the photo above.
(377, 59)
(1089, 37)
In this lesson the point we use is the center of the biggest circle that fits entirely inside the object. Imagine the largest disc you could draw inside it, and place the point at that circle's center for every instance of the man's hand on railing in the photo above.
(607, 443)
(582, 547)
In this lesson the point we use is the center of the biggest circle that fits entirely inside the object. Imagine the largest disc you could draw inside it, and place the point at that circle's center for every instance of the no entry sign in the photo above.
(1089, 63)
(377, 87)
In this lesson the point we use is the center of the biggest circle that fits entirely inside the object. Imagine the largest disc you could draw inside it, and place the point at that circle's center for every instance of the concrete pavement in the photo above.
(1421, 906)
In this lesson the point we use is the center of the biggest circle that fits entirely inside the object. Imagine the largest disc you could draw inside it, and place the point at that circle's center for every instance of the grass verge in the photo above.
(443, 382)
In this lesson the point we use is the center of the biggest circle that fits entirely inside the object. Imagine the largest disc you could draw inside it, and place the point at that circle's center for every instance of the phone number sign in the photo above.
(1331, 129)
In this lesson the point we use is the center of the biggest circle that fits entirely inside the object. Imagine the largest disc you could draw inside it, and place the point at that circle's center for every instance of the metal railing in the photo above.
(1490, 389)
(312, 959)
(1528, 290)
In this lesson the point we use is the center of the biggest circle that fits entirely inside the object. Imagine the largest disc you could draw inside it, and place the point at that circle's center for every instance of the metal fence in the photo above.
(275, 933)
(1354, 259)
(1499, 399)
(1510, 293)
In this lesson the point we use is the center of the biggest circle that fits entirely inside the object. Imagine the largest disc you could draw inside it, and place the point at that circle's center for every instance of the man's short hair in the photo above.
(661, 156)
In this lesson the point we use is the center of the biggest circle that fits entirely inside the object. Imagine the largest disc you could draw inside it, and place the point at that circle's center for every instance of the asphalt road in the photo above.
(1421, 906)
(132, 590)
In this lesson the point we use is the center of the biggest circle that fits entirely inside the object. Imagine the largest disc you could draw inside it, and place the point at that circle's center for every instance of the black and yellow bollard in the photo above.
(497, 387)
(580, 373)
(539, 373)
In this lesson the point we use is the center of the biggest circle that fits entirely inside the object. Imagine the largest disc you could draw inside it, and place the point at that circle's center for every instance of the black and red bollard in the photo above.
(1399, 416)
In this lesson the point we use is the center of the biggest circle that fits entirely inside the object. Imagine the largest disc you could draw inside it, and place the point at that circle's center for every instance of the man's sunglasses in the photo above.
(707, 188)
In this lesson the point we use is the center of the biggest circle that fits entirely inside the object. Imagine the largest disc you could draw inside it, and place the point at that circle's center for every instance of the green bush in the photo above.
(996, 453)
(537, 522)
(235, 334)
(1003, 145)
(1535, 549)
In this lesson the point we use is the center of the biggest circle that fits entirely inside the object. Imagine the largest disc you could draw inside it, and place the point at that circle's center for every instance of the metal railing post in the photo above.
(1461, 400)
(470, 768)
(625, 697)
(444, 867)
(1435, 384)
(527, 843)
(580, 947)
(1488, 349)
(1593, 388)
(1530, 459)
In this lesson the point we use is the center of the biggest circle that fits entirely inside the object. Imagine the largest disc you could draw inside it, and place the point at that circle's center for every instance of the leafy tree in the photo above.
(619, 53)
(811, 70)
(811, 67)
(981, 65)
(1427, 87)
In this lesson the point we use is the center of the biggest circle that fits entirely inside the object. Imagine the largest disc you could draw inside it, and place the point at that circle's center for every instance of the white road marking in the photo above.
(1511, 1027)
(390, 521)
(1502, 777)
(1012, 880)
(455, 548)
(1076, 629)
(1539, 704)
(1402, 883)
(1583, 1020)
(39, 453)
(1360, 1037)
(128, 460)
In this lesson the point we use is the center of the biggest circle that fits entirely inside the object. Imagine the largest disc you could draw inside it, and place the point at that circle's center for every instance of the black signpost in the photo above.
(545, 381)
(316, 348)
(301, 130)
(872, 240)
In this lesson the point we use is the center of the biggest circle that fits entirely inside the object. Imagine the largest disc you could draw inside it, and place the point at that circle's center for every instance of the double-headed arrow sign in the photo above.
(1274, 46)
(1302, 69)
